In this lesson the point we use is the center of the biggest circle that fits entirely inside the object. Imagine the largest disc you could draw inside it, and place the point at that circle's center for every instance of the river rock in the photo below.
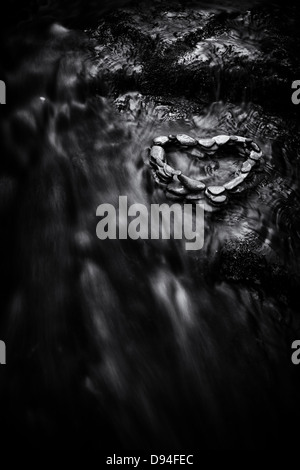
(184, 139)
(190, 183)
(256, 156)
(161, 140)
(235, 182)
(169, 171)
(221, 139)
(247, 166)
(216, 199)
(216, 190)
(206, 143)
(157, 152)
(176, 188)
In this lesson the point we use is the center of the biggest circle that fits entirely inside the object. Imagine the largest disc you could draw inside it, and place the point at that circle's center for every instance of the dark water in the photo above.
(141, 344)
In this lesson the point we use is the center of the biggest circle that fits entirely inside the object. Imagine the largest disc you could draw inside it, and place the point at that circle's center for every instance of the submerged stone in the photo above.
(190, 183)
(184, 139)
(216, 190)
(221, 139)
(176, 188)
(157, 152)
(235, 182)
(161, 140)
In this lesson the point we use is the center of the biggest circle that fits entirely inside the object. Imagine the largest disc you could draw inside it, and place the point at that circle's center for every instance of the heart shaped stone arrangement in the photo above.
(181, 187)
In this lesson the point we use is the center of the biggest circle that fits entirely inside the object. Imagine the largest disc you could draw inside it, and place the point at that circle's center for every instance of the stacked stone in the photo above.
(181, 187)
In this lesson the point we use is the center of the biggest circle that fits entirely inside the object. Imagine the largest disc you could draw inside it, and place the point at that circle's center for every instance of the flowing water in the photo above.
(141, 343)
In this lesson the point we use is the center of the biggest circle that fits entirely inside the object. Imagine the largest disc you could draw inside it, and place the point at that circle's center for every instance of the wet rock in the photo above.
(184, 139)
(177, 188)
(221, 139)
(162, 176)
(169, 171)
(157, 152)
(255, 156)
(216, 199)
(195, 196)
(161, 140)
(247, 166)
(216, 190)
(235, 182)
(206, 143)
(191, 183)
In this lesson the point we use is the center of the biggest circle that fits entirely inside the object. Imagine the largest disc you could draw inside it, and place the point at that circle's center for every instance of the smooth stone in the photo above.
(161, 174)
(176, 188)
(156, 162)
(240, 139)
(160, 162)
(173, 197)
(255, 147)
(216, 190)
(190, 183)
(216, 199)
(158, 181)
(246, 167)
(170, 171)
(196, 153)
(221, 139)
(235, 182)
(172, 137)
(161, 140)
(157, 152)
(207, 143)
(194, 196)
(255, 155)
(184, 139)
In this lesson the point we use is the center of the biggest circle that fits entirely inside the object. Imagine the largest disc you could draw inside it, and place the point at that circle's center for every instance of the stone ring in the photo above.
(181, 187)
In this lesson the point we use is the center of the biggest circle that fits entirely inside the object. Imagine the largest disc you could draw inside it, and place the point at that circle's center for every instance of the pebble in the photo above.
(156, 162)
(221, 139)
(255, 147)
(216, 199)
(194, 196)
(196, 153)
(207, 143)
(160, 162)
(161, 174)
(170, 171)
(161, 140)
(216, 190)
(235, 182)
(157, 152)
(255, 155)
(184, 139)
(190, 183)
(246, 167)
(177, 188)
(173, 197)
